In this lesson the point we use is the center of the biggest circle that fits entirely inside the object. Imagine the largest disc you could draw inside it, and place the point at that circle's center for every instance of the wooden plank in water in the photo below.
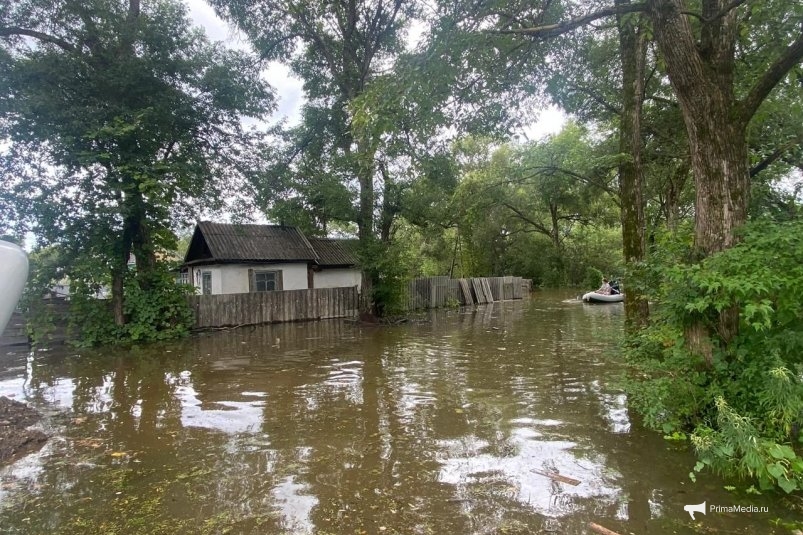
(558, 477)
(596, 528)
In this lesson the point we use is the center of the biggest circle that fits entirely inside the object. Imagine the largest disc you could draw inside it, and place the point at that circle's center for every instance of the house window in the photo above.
(206, 282)
(266, 281)
(183, 276)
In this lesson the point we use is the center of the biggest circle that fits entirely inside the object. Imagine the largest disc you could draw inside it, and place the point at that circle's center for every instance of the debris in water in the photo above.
(558, 477)
(15, 437)
(596, 528)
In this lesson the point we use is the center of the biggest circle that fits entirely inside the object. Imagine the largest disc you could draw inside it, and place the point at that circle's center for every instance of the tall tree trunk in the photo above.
(554, 232)
(120, 262)
(721, 176)
(632, 51)
(702, 77)
(141, 238)
(365, 229)
(117, 297)
(390, 203)
(119, 269)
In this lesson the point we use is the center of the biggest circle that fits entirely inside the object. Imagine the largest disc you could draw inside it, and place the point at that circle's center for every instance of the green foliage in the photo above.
(593, 276)
(544, 210)
(116, 126)
(156, 308)
(744, 409)
(451, 302)
(389, 267)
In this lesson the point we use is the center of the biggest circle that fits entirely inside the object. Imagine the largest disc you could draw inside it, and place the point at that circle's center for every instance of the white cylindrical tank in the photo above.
(13, 275)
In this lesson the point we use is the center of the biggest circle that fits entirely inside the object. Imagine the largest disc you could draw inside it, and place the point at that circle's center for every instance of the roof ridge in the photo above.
(306, 241)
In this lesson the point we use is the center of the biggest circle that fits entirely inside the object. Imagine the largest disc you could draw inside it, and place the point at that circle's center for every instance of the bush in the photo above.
(155, 308)
(388, 269)
(743, 407)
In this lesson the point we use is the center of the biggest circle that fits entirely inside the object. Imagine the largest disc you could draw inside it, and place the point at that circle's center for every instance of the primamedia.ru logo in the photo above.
(738, 508)
(712, 508)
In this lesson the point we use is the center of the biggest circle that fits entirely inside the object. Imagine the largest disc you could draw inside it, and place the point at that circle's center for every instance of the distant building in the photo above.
(228, 259)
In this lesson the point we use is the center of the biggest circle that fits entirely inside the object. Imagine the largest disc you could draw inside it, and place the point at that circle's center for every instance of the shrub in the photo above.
(155, 308)
(744, 406)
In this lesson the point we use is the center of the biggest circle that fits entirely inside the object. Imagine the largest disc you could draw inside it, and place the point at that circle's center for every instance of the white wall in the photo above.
(233, 278)
(197, 279)
(337, 278)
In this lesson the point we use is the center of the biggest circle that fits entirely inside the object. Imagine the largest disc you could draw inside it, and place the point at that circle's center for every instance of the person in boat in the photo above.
(615, 289)
(605, 289)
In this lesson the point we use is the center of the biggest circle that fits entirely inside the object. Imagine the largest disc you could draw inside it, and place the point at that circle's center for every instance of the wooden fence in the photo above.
(16, 332)
(436, 292)
(273, 307)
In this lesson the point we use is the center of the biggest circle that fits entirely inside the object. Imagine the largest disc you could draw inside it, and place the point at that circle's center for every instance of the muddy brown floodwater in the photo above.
(454, 425)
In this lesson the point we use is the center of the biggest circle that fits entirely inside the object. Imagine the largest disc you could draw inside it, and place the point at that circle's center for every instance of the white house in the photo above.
(227, 259)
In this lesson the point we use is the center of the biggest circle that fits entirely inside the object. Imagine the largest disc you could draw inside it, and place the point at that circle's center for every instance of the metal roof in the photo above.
(333, 252)
(249, 243)
(223, 242)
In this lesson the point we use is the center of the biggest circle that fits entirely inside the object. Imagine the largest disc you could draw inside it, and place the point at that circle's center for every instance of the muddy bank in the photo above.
(15, 439)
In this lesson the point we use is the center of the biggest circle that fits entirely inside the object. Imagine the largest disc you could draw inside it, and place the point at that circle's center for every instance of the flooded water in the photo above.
(455, 424)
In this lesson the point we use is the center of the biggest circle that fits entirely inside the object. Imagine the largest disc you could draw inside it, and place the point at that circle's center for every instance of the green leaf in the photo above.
(776, 470)
(779, 451)
(788, 485)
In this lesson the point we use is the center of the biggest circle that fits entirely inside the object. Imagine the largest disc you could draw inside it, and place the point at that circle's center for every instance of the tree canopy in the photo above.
(119, 120)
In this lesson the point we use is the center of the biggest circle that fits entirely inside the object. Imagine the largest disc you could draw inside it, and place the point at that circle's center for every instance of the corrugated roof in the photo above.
(332, 252)
(262, 243)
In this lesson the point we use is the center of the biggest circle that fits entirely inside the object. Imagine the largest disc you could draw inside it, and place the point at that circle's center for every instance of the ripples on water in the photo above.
(447, 426)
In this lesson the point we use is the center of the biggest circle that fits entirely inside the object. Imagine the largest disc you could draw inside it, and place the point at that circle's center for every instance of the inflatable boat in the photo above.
(594, 297)
(13, 275)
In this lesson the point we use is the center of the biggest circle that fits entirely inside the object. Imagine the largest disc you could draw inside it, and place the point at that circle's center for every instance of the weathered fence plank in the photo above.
(435, 292)
(466, 291)
(486, 287)
(273, 307)
(479, 293)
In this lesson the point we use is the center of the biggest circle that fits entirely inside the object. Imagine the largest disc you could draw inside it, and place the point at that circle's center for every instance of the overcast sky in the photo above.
(289, 89)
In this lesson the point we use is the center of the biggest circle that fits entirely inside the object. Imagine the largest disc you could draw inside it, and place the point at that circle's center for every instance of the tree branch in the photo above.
(716, 16)
(577, 176)
(664, 100)
(560, 28)
(776, 155)
(772, 76)
(9, 31)
(535, 224)
(727, 9)
(596, 98)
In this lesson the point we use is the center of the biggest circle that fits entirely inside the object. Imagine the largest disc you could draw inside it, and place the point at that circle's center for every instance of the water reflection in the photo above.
(456, 424)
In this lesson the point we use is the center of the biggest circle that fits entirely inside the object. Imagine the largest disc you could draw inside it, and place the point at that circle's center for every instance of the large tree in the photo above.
(377, 114)
(551, 193)
(120, 118)
(723, 59)
(339, 49)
